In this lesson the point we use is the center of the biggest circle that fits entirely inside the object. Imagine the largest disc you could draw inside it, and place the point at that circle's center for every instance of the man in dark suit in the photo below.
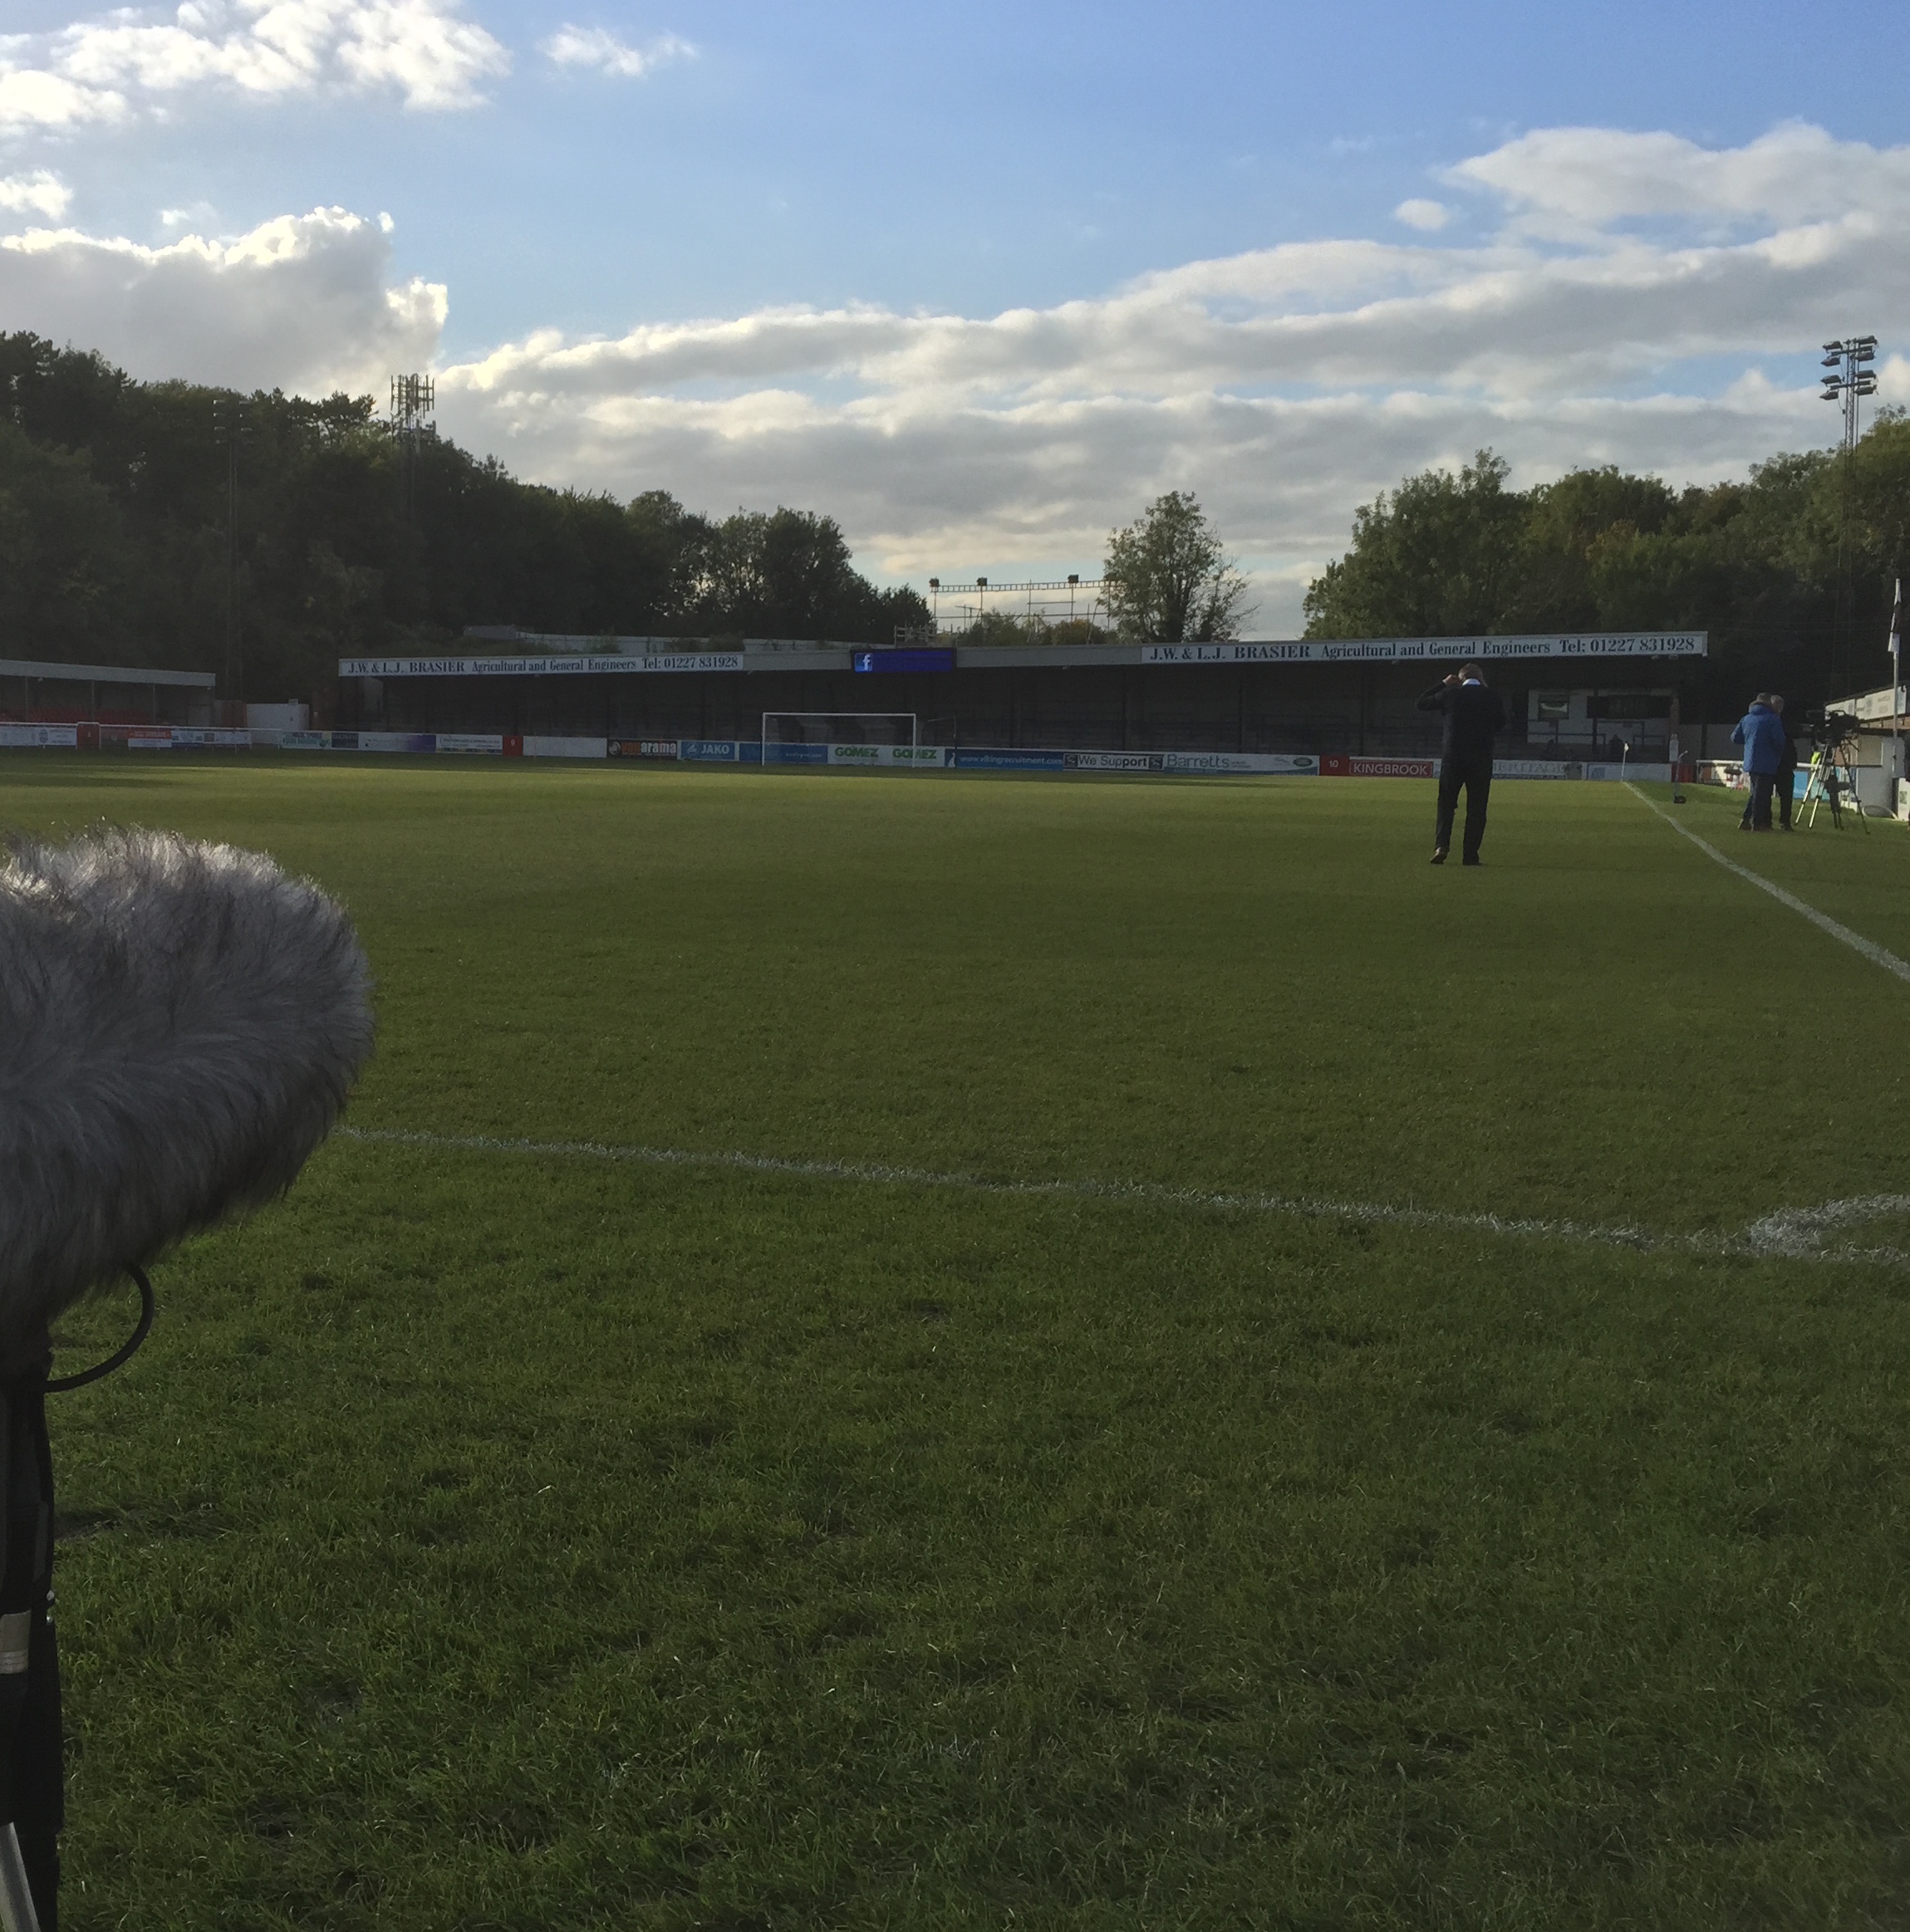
(1474, 717)
(1784, 782)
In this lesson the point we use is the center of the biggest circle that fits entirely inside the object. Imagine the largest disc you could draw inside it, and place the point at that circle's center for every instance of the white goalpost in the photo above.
(825, 737)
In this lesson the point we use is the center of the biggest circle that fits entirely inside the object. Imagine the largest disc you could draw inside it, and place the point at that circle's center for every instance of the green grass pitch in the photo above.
(492, 1538)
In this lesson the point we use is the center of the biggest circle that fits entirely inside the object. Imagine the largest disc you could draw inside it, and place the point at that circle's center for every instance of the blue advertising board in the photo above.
(924, 659)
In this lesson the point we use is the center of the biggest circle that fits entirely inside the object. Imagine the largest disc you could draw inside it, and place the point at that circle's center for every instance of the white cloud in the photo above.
(592, 46)
(306, 303)
(1594, 177)
(1429, 216)
(40, 192)
(921, 487)
(31, 98)
(1285, 384)
(95, 70)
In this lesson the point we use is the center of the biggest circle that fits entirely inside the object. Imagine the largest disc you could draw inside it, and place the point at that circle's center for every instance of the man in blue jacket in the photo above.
(1760, 731)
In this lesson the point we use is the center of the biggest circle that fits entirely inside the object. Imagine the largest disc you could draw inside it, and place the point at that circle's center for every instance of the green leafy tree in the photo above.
(1846, 529)
(1567, 531)
(1437, 557)
(789, 574)
(107, 483)
(1789, 571)
(1167, 580)
(65, 563)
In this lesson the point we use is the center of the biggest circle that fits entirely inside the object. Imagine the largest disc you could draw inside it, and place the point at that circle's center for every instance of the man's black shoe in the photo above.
(1439, 855)
(1471, 859)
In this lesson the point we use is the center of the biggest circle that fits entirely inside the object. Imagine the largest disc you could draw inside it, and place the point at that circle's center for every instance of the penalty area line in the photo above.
(1799, 1237)
(1876, 955)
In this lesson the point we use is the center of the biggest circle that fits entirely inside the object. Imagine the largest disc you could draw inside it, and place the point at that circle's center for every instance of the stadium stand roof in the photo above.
(106, 674)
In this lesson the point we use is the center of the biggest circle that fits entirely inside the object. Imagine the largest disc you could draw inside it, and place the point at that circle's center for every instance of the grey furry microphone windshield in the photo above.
(179, 1026)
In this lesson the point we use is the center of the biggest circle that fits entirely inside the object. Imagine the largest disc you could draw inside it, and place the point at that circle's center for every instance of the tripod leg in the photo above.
(1857, 803)
(31, 1777)
(38, 1798)
(16, 1913)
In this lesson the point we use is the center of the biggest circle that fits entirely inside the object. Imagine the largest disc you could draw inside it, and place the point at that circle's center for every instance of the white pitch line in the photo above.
(1876, 955)
(1797, 1235)
(1802, 1230)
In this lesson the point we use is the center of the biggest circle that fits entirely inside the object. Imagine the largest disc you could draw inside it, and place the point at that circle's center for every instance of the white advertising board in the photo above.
(617, 665)
(1339, 651)
(1632, 768)
(384, 740)
(568, 748)
(1113, 762)
(1292, 764)
(899, 757)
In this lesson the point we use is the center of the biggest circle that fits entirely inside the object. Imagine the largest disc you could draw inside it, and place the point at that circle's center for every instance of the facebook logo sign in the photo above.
(902, 660)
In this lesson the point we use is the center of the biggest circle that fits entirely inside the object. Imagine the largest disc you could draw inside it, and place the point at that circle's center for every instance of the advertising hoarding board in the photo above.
(615, 665)
(895, 757)
(1435, 651)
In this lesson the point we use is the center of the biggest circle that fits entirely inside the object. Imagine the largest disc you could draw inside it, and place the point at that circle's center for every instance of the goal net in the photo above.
(823, 737)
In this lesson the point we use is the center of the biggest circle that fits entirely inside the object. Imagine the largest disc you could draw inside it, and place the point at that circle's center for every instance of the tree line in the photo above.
(176, 525)
(1792, 572)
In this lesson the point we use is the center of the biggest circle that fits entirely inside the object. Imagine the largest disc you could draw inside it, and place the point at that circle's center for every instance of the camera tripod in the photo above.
(32, 1804)
(1830, 777)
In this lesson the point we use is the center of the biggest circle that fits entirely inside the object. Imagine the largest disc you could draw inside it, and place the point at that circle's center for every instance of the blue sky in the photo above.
(980, 279)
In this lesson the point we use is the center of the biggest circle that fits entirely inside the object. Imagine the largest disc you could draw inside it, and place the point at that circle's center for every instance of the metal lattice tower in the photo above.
(1039, 597)
(413, 398)
(1850, 379)
(229, 426)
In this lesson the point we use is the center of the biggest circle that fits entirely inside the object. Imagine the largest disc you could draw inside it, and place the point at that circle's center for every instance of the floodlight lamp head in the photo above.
(1832, 361)
(981, 583)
